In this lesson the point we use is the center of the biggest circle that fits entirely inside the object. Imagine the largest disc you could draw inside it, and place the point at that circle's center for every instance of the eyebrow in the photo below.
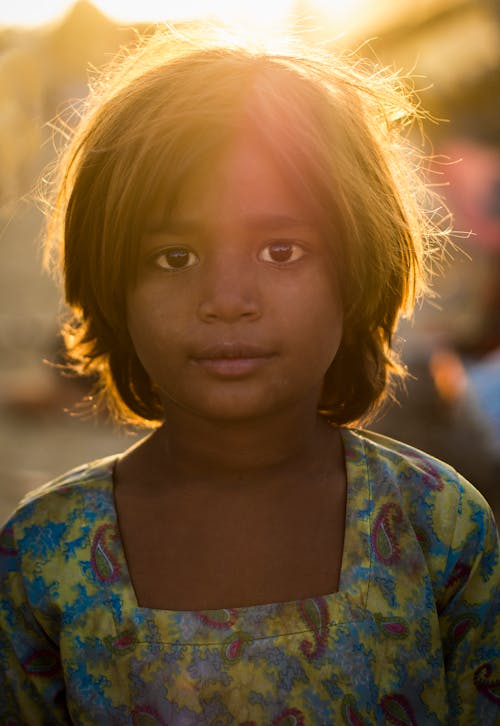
(256, 221)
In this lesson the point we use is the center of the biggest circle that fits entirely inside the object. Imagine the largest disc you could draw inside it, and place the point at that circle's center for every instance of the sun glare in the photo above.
(266, 17)
(256, 11)
(346, 15)
(249, 13)
(28, 13)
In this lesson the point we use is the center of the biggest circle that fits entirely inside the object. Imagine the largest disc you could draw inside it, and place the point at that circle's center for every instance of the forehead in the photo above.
(266, 135)
(245, 181)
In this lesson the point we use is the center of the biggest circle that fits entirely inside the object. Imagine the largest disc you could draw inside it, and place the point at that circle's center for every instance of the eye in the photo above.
(175, 258)
(282, 251)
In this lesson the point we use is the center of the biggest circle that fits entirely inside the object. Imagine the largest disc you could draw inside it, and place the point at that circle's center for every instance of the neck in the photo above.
(218, 453)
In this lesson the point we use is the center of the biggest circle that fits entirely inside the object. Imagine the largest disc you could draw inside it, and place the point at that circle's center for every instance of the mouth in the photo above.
(232, 359)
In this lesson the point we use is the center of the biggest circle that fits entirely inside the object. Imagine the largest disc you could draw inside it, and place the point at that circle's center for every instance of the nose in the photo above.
(230, 289)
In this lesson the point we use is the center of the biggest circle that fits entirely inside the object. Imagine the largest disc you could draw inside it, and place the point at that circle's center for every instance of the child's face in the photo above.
(236, 313)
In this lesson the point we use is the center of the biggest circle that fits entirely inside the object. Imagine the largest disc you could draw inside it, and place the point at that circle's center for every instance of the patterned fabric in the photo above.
(412, 636)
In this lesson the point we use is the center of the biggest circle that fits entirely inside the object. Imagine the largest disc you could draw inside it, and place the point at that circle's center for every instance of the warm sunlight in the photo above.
(248, 12)
(343, 15)
(358, 15)
(257, 12)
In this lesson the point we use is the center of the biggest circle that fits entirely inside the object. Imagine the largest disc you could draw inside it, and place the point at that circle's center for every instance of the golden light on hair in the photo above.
(336, 126)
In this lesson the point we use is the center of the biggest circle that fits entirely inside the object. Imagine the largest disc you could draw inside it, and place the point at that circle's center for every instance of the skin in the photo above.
(236, 316)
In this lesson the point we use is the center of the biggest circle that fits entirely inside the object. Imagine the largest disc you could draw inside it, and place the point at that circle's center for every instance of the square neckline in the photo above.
(347, 604)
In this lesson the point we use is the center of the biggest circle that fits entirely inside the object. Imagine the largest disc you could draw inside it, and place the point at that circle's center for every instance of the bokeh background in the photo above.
(451, 407)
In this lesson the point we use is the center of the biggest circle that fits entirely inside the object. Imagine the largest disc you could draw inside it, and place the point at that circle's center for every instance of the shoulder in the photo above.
(50, 512)
(451, 521)
(415, 476)
(48, 548)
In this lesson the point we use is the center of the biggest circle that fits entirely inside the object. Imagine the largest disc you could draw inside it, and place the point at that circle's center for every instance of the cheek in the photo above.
(329, 329)
(328, 312)
(331, 337)
(314, 321)
(147, 323)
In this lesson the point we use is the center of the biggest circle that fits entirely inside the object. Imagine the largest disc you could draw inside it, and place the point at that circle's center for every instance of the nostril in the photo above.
(228, 308)
(230, 289)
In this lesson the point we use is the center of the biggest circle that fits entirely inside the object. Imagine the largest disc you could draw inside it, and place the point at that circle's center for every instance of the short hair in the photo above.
(341, 131)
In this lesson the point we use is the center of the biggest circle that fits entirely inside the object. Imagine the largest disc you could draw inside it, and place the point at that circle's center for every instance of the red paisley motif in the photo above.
(423, 538)
(232, 648)
(7, 543)
(42, 663)
(314, 611)
(393, 627)
(384, 539)
(350, 713)
(289, 717)
(458, 577)
(124, 643)
(147, 716)
(397, 710)
(431, 475)
(462, 625)
(104, 563)
(220, 619)
(489, 687)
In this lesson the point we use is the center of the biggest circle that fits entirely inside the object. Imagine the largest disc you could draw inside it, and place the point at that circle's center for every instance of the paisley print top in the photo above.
(411, 637)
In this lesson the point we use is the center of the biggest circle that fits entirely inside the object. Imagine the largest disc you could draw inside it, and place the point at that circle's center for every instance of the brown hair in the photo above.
(175, 103)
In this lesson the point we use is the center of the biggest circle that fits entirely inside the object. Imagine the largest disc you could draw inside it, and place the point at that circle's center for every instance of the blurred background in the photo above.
(451, 407)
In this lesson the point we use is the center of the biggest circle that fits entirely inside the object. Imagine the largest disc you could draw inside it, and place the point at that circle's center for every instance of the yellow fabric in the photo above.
(412, 636)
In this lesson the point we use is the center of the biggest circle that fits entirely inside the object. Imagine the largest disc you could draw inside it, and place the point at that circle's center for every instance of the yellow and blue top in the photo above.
(411, 637)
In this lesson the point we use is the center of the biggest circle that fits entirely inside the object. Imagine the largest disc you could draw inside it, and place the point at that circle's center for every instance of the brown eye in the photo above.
(175, 258)
(281, 251)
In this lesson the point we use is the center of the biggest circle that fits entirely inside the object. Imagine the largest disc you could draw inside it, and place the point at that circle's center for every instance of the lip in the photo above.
(231, 359)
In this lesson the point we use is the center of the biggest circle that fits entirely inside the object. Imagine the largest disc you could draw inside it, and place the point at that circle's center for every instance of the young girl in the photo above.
(239, 231)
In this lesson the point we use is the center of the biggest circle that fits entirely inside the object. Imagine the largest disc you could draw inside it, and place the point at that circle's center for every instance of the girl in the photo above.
(239, 234)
